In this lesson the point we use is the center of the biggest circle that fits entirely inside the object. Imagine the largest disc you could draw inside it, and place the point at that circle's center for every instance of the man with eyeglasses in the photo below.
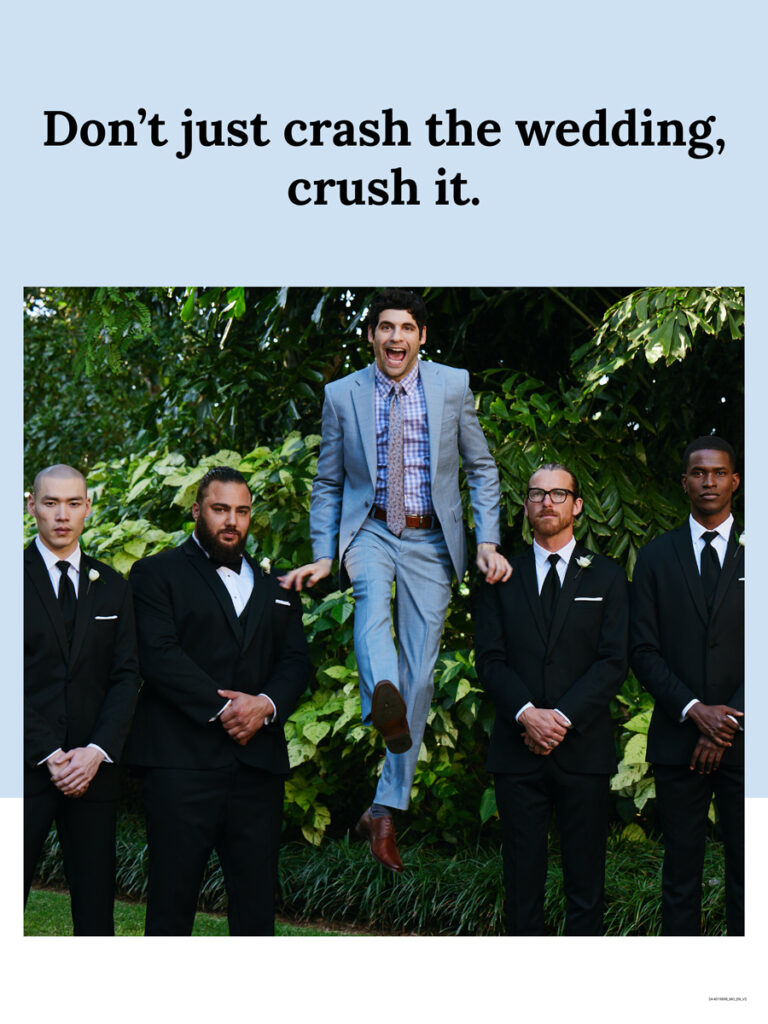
(551, 648)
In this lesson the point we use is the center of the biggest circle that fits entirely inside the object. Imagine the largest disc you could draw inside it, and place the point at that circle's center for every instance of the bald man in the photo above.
(80, 685)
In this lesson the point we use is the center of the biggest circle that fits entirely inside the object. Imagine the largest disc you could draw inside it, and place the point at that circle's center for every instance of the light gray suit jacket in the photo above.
(343, 490)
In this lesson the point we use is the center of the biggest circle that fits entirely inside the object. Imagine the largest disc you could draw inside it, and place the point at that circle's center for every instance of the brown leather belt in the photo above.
(414, 522)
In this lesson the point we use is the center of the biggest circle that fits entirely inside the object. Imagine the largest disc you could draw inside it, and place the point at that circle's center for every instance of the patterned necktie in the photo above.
(395, 491)
(550, 591)
(710, 567)
(67, 598)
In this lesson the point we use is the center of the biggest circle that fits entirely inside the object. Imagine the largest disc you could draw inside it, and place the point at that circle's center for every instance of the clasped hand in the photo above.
(72, 770)
(244, 715)
(544, 729)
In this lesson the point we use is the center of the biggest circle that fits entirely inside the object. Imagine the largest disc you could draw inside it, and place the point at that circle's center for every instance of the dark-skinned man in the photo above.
(687, 640)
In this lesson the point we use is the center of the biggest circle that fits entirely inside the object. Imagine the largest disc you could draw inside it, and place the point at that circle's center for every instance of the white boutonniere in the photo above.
(93, 575)
(740, 543)
(265, 565)
(584, 561)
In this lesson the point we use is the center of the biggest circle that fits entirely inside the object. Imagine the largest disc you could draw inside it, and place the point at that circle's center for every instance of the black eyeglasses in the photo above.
(557, 495)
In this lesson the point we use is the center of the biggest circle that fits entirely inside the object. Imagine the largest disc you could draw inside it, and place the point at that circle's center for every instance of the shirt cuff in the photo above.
(107, 758)
(56, 751)
(688, 707)
(736, 722)
(523, 708)
(565, 718)
(221, 711)
(270, 718)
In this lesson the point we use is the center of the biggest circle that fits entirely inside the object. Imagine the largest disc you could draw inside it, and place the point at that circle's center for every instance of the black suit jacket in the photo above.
(678, 651)
(577, 668)
(86, 694)
(191, 644)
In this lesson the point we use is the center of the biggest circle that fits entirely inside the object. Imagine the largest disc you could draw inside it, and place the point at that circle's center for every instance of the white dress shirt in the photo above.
(543, 565)
(54, 573)
(239, 587)
(720, 545)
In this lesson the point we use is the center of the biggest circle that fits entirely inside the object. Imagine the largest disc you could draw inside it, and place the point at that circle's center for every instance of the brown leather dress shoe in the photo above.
(380, 833)
(388, 716)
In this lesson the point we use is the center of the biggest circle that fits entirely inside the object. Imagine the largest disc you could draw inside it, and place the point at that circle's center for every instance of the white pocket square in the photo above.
(587, 599)
(103, 618)
(278, 601)
(741, 579)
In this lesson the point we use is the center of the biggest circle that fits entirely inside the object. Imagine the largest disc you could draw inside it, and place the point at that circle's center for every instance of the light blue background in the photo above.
(577, 216)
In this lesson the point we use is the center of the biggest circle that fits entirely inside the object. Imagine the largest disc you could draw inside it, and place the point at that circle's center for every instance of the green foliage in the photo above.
(662, 323)
(461, 894)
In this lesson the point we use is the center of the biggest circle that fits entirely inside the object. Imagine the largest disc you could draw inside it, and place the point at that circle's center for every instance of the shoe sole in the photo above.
(390, 707)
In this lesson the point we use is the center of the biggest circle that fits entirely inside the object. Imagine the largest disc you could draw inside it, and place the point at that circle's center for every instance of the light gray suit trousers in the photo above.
(420, 562)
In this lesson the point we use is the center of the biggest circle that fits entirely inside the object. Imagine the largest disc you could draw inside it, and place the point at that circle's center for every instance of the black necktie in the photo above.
(710, 567)
(550, 591)
(67, 598)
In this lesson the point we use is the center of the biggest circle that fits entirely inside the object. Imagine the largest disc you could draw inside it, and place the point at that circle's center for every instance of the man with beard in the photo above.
(224, 661)
(551, 653)
(688, 651)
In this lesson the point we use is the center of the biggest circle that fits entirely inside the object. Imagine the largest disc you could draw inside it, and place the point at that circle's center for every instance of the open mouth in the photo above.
(395, 357)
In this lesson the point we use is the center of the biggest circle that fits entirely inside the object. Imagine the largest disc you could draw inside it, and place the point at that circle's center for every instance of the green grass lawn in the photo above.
(47, 913)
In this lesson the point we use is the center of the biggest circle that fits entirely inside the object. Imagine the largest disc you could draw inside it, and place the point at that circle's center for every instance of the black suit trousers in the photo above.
(683, 798)
(86, 830)
(236, 810)
(581, 806)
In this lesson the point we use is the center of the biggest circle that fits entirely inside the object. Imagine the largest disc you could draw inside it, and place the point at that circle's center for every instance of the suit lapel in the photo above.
(734, 559)
(363, 395)
(212, 579)
(85, 599)
(567, 593)
(527, 570)
(255, 607)
(433, 383)
(41, 581)
(683, 545)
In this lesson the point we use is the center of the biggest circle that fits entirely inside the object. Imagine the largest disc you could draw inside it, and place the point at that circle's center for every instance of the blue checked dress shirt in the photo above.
(418, 493)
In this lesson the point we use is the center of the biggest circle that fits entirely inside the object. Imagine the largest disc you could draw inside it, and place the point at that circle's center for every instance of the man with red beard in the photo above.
(224, 661)
(551, 653)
